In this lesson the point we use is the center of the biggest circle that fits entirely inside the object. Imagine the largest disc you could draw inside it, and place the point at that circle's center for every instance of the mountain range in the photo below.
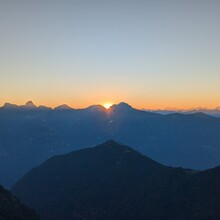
(113, 181)
(215, 112)
(212, 112)
(29, 135)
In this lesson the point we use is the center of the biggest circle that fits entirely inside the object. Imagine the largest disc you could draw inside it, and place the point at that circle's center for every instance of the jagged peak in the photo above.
(29, 104)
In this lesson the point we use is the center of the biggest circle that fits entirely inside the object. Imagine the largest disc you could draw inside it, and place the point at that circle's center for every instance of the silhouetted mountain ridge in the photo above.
(113, 181)
(29, 104)
(190, 141)
(9, 105)
(12, 209)
(215, 112)
(62, 107)
(122, 106)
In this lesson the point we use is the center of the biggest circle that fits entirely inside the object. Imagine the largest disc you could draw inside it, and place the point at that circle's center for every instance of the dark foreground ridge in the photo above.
(12, 209)
(112, 181)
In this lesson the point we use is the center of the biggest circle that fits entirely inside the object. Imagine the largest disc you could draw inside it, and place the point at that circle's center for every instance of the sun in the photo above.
(107, 105)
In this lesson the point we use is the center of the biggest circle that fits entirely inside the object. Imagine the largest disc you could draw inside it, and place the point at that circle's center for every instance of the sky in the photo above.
(148, 53)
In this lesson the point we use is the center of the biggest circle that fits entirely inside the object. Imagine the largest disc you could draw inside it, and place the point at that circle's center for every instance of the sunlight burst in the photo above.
(107, 105)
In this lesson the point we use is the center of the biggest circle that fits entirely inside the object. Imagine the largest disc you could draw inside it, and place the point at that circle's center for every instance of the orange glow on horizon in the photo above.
(107, 105)
(138, 103)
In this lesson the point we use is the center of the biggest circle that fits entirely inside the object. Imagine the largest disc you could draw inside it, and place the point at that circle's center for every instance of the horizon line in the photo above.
(115, 104)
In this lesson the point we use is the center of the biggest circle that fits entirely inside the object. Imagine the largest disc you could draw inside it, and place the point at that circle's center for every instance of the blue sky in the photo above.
(152, 54)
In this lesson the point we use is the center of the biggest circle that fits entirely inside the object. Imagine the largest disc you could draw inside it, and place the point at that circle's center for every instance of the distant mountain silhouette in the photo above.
(30, 136)
(62, 107)
(29, 105)
(12, 209)
(121, 107)
(212, 112)
(42, 107)
(9, 106)
(95, 108)
(112, 181)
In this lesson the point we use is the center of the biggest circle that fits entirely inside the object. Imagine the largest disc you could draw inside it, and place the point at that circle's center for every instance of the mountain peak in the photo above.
(9, 105)
(30, 104)
(96, 108)
(113, 144)
(94, 183)
(111, 141)
(112, 147)
(62, 107)
(122, 106)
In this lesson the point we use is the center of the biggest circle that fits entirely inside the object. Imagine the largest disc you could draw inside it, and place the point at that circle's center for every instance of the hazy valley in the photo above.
(190, 141)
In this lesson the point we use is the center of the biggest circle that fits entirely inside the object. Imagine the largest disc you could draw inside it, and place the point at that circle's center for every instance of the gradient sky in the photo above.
(149, 53)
